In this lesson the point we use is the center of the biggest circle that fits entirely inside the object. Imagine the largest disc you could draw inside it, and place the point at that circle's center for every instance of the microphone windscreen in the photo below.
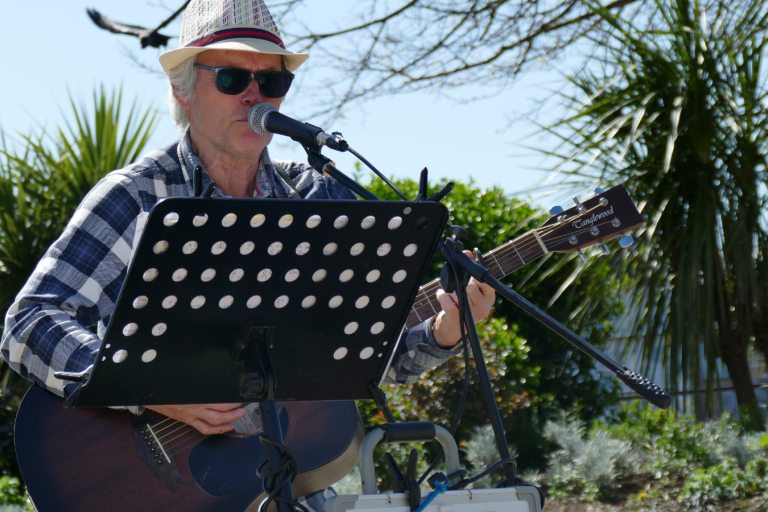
(257, 117)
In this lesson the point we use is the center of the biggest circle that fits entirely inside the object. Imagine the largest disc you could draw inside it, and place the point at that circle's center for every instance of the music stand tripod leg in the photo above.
(448, 249)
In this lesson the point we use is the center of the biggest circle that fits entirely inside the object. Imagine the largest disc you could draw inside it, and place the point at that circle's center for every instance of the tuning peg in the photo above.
(556, 210)
(604, 250)
(582, 256)
(599, 191)
(582, 208)
(626, 242)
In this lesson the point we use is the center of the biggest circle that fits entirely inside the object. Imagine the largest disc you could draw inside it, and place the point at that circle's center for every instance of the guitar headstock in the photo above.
(607, 215)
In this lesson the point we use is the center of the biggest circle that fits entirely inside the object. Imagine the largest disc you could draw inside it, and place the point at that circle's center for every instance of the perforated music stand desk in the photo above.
(325, 285)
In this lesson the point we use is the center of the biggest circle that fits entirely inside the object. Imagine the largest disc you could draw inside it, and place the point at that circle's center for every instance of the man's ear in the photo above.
(184, 104)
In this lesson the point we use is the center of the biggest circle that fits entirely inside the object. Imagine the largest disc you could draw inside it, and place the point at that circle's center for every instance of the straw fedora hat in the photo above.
(244, 25)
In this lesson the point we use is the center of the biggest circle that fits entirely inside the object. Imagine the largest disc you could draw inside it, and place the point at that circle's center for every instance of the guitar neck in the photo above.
(501, 262)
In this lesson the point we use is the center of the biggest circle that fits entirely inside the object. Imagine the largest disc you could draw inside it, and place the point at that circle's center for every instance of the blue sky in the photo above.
(400, 134)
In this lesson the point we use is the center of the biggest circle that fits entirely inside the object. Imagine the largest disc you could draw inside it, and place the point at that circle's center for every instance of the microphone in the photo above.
(264, 118)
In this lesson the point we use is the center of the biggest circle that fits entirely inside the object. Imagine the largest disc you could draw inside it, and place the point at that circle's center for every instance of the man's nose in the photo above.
(252, 95)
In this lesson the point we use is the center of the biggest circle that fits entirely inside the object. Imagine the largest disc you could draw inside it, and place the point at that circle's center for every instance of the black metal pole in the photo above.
(270, 422)
(489, 397)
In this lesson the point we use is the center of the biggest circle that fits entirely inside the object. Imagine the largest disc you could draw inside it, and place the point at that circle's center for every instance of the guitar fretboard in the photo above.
(501, 262)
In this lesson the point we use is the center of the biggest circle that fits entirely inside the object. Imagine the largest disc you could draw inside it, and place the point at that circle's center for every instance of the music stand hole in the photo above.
(236, 275)
(319, 275)
(150, 275)
(357, 249)
(120, 356)
(218, 248)
(149, 356)
(229, 220)
(170, 301)
(281, 301)
(264, 275)
(340, 353)
(329, 249)
(410, 250)
(373, 276)
(368, 222)
(159, 329)
(347, 275)
(171, 219)
(351, 328)
(362, 302)
(292, 275)
(313, 221)
(302, 248)
(421, 223)
(335, 301)
(285, 221)
(247, 248)
(383, 249)
(275, 248)
(226, 301)
(395, 222)
(189, 247)
(388, 302)
(377, 328)
(341, 221)
(258, 220)
(140, 302)
(308, 302)
(197, 302)
(200, 220)
(253, 302)
(366, 353)
(130, 329)
(399, 276)
(180, 275)
(161, 247)
(208, 275)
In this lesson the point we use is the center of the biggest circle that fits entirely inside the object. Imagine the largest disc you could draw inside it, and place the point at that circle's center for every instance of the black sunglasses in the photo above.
(272, 84)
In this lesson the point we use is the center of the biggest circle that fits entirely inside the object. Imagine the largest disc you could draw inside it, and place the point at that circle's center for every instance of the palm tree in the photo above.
(676, 111)
(43, 178)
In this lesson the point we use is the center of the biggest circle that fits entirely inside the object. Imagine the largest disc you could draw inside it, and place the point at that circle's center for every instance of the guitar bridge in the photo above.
(152, 450)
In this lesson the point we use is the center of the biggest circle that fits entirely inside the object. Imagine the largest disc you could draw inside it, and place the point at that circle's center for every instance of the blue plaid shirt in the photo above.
(77, 282)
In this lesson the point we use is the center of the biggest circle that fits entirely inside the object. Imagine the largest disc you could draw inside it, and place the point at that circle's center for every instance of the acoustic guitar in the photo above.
(104, 460)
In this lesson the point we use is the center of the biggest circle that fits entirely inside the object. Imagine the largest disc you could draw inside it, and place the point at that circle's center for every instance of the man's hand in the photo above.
(208, 419)
(446, 329)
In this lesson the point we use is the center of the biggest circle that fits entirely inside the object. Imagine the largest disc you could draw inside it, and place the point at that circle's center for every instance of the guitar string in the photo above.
(527, 244)
(505, 256)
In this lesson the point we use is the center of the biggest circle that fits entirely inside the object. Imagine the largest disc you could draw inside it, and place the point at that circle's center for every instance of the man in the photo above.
(230, 57)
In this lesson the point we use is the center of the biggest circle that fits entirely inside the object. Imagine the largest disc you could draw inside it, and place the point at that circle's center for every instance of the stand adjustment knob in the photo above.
(459, 232)
(250, 385)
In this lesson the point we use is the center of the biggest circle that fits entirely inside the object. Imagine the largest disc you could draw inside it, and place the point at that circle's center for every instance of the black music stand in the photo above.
(236, 300)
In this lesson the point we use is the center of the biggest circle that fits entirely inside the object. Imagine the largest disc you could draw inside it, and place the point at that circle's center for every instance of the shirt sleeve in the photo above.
(74, 286)
(416, 353)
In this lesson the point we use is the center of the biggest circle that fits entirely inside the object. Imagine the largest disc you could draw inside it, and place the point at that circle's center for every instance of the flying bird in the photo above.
(147, 37)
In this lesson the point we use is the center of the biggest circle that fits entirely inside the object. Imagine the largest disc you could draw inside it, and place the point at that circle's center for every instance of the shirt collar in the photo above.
(266, 179)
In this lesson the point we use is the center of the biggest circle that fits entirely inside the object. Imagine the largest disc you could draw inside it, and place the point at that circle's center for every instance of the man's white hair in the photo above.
(181, 85)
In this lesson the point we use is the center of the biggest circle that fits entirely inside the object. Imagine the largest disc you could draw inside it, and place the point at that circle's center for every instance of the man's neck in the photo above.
(234, 177)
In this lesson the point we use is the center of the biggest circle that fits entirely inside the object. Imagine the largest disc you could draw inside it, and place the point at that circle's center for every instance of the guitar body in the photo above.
(87, 460)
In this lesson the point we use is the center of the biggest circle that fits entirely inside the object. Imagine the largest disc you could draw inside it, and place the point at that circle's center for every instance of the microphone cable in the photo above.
(379, 174)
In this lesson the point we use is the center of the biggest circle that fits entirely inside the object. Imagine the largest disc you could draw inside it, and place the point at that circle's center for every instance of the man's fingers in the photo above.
(206, 428)
(223, 407)
(446, 301)
(220, 417)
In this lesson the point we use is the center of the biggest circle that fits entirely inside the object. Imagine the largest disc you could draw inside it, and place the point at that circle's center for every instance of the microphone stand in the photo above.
(465, 267)
(324, 165)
